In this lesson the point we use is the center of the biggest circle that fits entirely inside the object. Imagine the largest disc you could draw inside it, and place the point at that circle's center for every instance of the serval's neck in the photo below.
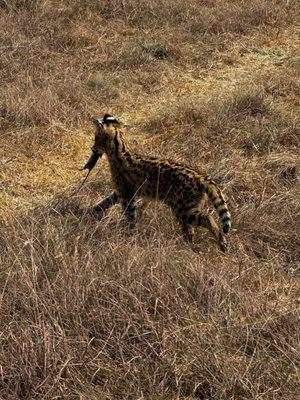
(120, 153)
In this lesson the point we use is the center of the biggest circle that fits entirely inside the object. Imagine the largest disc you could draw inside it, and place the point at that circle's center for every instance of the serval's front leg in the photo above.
(129, 207)
(106, 203)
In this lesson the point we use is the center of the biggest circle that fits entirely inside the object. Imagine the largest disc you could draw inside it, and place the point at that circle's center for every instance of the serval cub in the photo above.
(180, 187)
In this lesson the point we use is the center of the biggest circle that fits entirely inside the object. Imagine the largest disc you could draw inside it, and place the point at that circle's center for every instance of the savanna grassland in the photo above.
(90, 310)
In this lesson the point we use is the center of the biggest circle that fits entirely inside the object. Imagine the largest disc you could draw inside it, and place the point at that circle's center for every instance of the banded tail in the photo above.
(216, 197)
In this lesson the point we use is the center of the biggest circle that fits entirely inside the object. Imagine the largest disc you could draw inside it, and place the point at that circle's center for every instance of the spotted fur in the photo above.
(184, 190)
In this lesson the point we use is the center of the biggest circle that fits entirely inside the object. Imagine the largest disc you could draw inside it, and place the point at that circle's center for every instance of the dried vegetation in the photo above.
(90, 310)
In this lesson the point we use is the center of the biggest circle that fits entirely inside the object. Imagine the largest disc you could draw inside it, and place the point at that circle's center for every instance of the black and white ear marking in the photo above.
(106, 120)
(109, 119)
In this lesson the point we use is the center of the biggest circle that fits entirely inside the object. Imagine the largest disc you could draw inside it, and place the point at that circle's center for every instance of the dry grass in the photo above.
(90, 310)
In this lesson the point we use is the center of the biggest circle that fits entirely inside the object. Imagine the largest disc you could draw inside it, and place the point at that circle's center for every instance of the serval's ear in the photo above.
(97, 121)
(109, 119)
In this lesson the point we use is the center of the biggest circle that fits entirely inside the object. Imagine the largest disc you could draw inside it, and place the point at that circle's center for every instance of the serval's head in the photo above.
(104, 138)
(105, 133)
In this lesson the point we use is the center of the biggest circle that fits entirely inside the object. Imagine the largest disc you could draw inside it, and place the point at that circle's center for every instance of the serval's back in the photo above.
(184, 190)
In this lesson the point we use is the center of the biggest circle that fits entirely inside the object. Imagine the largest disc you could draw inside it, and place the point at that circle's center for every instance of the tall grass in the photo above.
(91, 310)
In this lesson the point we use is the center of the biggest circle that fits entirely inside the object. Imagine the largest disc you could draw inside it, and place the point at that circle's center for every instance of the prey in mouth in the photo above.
(92, 161)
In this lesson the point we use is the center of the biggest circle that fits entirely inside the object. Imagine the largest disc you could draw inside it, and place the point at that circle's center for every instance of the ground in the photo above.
(91, 310)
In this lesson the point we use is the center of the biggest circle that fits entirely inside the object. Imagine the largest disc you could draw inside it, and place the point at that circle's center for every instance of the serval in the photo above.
(184, 190)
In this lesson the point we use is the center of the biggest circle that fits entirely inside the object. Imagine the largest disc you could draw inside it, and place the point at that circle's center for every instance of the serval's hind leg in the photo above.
(189, 221)
(106, 203)
(189, 233)
(207, 221)
(188, 230)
